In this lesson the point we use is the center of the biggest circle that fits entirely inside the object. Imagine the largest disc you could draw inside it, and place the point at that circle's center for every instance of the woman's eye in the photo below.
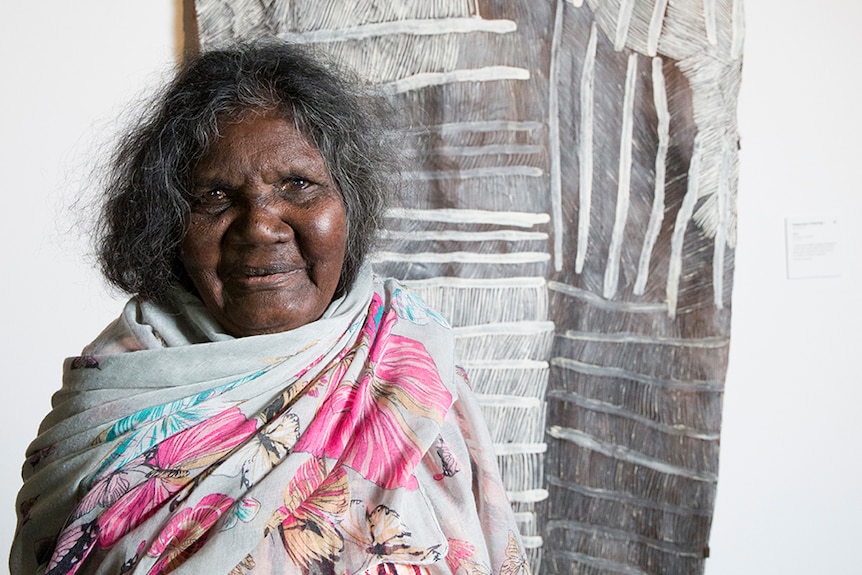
(214, 200)
(214, 196)
(295, 184)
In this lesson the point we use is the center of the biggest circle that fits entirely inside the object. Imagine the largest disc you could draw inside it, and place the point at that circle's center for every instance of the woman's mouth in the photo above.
(264, 277)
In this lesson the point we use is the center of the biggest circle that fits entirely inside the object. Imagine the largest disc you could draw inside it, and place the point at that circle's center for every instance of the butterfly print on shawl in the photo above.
(186, 532)
(516, 562)
(314, 502)
(84, 362)
(35, 457)
(244, 566)
(447, 460)
(105, 492)
(73, 545)
(366, 425)
(383, 536)
(132, 561)
(170, 466)
(264, 450)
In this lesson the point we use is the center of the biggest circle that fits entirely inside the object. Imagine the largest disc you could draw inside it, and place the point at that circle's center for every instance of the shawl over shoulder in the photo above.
(349, 445)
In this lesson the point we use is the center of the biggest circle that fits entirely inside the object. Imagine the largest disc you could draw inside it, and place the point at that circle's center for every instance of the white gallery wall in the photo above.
(790, 494)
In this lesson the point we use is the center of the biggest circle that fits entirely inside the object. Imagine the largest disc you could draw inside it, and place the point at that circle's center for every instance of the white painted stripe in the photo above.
(585, 150)
(528, 495)
(627, 498)
(624, 19)
(415, 27)
(482, 283)
(456, 216)
(624, 179)
(604, 533)
(596, 564)
(519, 448)
(492, 172)
(615, 410)
(459, 236)
(620, 373)
(657, 214)
(428, 79)
(513, 327)
(709, 18)
(597, 301)
(623, 453)
(530, 364)
(720, 241)
(738, 30)
(656, 23)
(481, 126)
(463, 257)
(497, 149)
(514, 401)
(683, 217)
(701, 342)
(525, 516)
(554, 140)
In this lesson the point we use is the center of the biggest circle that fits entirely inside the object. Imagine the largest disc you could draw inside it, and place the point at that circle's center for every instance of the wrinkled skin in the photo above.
(268, 228)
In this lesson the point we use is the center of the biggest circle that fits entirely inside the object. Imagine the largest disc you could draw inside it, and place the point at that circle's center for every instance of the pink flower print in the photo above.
(313, 502)
(186, 532)
(459, 551)
(170, 466)
(461, 556)
(367, 425)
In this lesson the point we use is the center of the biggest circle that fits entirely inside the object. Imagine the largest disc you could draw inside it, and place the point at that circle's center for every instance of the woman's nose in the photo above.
(261, 222)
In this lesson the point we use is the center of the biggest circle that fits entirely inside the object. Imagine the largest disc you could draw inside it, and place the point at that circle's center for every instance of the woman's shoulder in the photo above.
(144, 324)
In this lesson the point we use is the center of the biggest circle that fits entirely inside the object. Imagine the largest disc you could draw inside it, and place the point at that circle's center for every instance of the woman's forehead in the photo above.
(259, 142)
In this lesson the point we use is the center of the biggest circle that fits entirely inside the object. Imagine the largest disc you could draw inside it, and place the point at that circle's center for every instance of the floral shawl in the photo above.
(350, 445)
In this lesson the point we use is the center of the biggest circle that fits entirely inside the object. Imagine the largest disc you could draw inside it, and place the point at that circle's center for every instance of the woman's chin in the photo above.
(264, 311)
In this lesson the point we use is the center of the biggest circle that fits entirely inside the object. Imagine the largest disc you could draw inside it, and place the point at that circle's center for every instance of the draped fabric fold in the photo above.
(347, 445)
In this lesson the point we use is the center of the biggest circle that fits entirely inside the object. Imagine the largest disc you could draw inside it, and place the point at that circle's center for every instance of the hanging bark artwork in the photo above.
(571, 210)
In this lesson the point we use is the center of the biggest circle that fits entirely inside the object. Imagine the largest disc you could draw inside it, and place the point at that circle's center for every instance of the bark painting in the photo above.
(570, 208)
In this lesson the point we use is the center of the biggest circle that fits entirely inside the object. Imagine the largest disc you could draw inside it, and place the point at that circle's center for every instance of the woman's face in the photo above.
(268, 229)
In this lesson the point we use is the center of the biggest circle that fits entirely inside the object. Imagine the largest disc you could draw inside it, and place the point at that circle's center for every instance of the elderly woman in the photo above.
(263, 404)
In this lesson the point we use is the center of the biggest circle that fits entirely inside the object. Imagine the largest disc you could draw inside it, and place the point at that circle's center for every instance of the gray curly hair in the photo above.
(146, 206)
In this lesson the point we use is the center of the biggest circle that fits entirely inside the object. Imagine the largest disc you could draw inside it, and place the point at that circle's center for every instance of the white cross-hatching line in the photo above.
(490, 172)
(624, 178)
(655, 26)
(720, 241)
(411, 27)
(585, 150)
(554, 140)
(624, 19)
(683, 217)
(513, 258)
(464, 236)
(428, 79)
(657, 213)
